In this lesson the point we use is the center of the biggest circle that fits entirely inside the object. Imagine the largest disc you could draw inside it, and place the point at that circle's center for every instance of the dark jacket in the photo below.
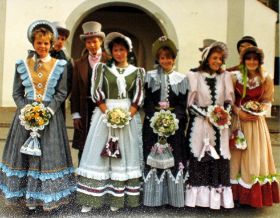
(80, 98)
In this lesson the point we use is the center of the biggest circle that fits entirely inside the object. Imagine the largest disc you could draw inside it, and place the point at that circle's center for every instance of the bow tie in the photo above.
(93, 59)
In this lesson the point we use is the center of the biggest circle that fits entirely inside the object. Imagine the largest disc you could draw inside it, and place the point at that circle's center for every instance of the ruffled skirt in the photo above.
(253, 172)
(103, 177)
(164, 188)
(47, 180)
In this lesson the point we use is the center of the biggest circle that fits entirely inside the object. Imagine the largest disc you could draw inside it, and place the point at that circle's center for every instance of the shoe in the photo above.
(86, 209)
(31, 208)
(114, 209)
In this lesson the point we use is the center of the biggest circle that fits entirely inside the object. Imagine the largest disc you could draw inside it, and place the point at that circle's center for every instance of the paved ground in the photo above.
(73, 210)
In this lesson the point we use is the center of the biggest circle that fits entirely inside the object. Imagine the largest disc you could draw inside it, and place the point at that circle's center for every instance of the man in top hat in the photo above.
(206, 43)
(82, 105)
(58, 53)
(242, 44)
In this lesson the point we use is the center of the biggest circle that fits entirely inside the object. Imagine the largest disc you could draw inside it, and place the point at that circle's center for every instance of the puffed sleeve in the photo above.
(18, 91)
(192, 95)
(97, 94)
(138, 93)
(268, 86)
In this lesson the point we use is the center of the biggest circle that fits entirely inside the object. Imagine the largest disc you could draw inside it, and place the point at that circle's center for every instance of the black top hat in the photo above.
(206, 43)
(248, 39)
(61, 28)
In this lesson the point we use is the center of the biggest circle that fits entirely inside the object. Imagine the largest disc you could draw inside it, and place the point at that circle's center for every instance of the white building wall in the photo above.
(188, 22)
(260, 22)
(194, 21)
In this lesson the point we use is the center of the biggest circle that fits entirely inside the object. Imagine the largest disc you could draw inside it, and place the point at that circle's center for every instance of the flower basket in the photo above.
(33, 117)
(237, 140)
(161, 156)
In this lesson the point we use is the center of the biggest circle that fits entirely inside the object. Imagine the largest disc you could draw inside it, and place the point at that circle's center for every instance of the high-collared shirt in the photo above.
(94, 59)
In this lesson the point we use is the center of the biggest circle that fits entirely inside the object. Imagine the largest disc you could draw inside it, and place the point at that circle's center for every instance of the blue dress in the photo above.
(47, 180)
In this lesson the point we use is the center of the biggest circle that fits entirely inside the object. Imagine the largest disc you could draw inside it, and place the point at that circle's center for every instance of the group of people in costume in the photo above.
(192, 165)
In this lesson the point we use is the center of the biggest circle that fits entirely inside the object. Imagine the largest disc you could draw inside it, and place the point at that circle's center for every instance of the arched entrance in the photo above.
(141, 25)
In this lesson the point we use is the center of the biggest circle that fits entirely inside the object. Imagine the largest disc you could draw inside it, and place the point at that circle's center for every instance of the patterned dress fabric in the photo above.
(208, 184)
(165, 186)
(47, 180)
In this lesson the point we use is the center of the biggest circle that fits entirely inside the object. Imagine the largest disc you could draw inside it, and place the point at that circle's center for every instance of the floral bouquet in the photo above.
(253, 107)
(33, 117)
(164, 124)
(218, 116)
(115, 118)
(164, 105)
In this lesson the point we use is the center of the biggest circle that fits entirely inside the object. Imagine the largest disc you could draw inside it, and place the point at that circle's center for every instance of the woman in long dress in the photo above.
(111, 176)
(208, 184)
(47, 180)
(253, 173)
(165, 89)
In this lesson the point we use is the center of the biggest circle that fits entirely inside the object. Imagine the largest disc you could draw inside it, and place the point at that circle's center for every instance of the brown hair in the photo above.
(259, 70)
(42, 32)
(204, 66)
(118, 41)
(169, 52)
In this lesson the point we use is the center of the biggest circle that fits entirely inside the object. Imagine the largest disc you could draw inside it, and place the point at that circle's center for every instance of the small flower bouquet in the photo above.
(253, 107)
(33, 117)
(115, 118)
(164, 124)
(218, 116)
(164, 105)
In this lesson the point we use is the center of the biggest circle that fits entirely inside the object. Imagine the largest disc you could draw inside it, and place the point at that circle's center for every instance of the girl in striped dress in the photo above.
(165, 90)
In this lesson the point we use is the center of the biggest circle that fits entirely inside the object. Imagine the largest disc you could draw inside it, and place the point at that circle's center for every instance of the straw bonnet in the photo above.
(91, 29)
(38, 24)
(163, 41)
(206, 43)
(252, 50)
(248, 39)
(61, 28)
(111, 36)
(206, 51)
